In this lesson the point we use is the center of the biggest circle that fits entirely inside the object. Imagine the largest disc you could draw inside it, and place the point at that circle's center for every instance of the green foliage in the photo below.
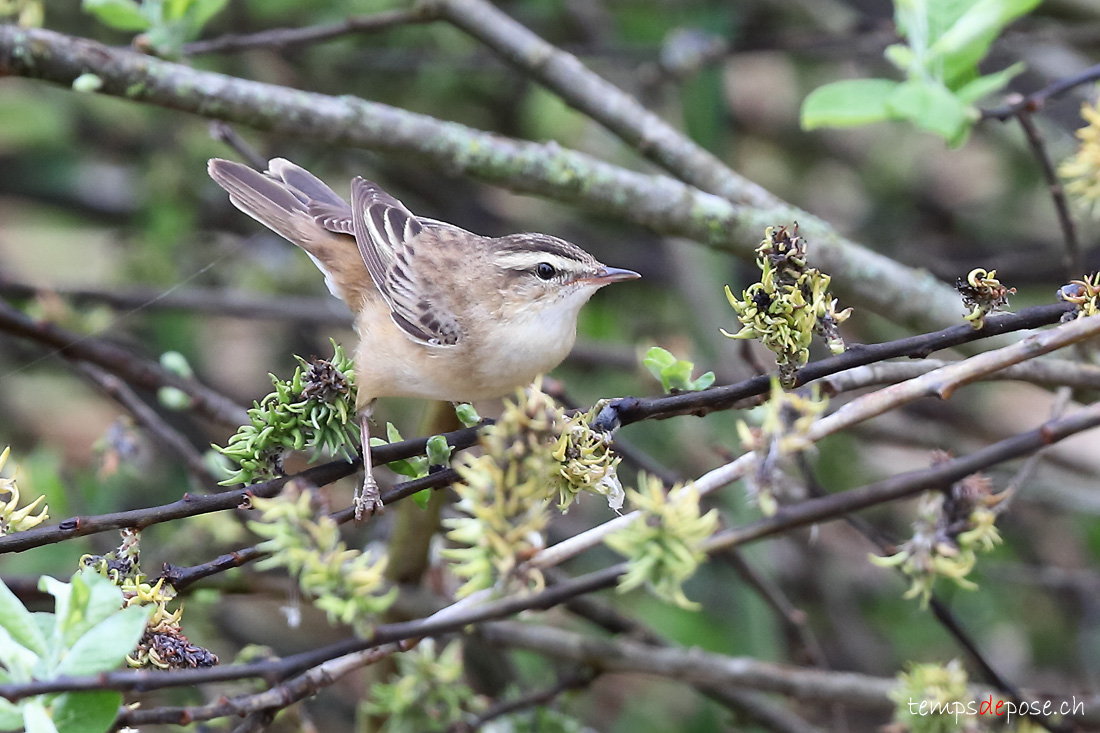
(28, 13)
(428, 694)
(982, 293)
(951, 529)
(531, 455)
(788, 417)
(675, 374)
(12, 518)
(942, 689)
(664, 545)
(167, 24)
(788, 305)
(315, 409)
(945, 41)
(467, 415)
(89, 632)
(439, 451)
(346, 584)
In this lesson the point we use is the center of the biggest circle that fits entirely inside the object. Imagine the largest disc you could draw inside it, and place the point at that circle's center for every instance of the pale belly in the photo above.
(389, 364)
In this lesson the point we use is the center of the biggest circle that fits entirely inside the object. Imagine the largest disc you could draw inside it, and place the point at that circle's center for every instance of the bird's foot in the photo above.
(368, 500)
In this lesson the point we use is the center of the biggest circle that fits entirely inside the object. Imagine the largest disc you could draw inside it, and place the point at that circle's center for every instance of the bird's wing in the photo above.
(386, 233)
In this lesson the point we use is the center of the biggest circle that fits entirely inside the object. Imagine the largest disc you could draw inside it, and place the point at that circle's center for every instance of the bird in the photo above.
(441, 313)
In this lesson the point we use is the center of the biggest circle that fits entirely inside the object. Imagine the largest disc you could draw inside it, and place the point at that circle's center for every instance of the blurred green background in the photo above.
(103, 195)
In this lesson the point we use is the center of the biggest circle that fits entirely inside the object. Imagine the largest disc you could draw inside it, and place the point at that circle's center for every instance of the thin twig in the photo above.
(286, 37)
(913, 482)
(941, 382)
(147, 417)
(191, 504)
(1045, 372)
(137, 371)
(632, 409)
(567, 683)
(1036, 100)
(223, 132)
(599, 99)
(1073, 261)
(326, 310)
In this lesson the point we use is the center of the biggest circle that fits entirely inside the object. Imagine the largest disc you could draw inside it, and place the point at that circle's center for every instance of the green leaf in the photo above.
(81, 604)
(439, 453)
(125, 15)
(86, 712)
(656, 360)
(104, 598)
(20, 661)
(848, 103)
(36, 719)
(20, 623)
(422, 498)
(11, 717)
(467, 415)
(675, 374)
(933, 108)
(988, 84)
(703, 382)
(202, 11)
(106, 644)
(967, 40)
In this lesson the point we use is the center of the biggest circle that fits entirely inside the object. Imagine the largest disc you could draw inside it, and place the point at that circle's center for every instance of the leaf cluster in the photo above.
(675, 374)
(165, 24)
(944, 42)
(314, 409)
(345, 583)
(88, 632)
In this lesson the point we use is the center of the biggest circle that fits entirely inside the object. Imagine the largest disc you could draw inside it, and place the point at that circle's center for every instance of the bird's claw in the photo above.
(368, 500)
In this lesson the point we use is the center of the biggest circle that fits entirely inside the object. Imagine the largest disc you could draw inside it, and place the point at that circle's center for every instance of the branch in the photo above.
(657, 202)
(278, 697)
(941, 382)
(907, 484)
(135, 370)
(285, 37)
(285, 308)
(601, 100)
(697, 667)
(1045, 372)
(193, 504)
(449, 620)
(694, 666)
(632, 409)
(145, 416)
(1074, 262)
(1036, 100)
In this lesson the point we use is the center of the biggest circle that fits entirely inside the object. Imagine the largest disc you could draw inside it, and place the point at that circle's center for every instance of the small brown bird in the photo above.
(442, 313)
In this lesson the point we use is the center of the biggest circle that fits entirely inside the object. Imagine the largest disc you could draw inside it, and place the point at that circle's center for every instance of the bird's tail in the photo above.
(295, 204)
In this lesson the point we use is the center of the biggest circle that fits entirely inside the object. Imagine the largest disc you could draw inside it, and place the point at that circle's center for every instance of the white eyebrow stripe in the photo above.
(524, 260)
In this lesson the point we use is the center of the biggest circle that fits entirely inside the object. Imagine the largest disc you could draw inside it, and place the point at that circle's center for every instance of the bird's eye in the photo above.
(545, 271)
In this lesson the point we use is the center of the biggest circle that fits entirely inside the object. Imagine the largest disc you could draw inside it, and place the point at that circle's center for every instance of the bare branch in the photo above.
(135, 370)
(632, 409)
(286, 37)
(147, 417)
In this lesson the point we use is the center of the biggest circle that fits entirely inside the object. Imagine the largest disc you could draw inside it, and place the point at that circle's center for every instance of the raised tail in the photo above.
(299, 207)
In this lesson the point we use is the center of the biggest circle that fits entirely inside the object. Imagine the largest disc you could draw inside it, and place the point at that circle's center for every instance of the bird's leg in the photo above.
(367, 498)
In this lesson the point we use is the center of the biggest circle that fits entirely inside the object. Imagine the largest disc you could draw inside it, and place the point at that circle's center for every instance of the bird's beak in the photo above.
(607, 275)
